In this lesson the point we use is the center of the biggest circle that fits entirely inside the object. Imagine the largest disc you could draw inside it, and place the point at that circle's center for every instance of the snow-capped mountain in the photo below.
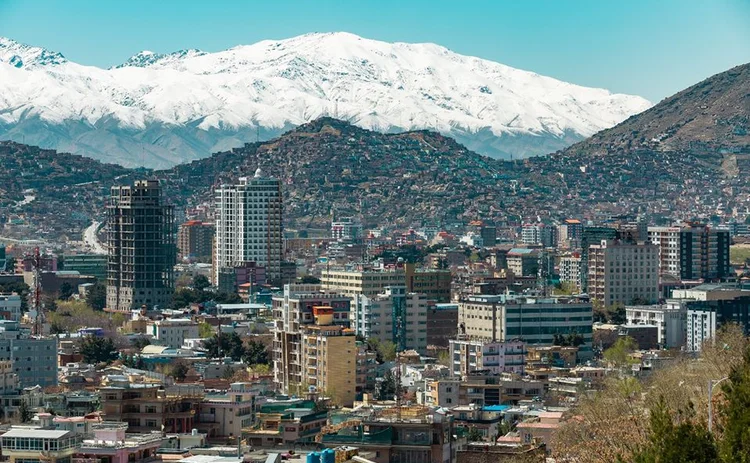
(160, 109)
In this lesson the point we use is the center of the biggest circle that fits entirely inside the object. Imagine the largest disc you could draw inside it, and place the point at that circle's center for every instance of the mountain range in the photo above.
(689, 154)
(159, 110)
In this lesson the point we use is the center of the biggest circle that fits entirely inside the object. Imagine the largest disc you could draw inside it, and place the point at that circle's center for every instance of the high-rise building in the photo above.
(692, 251)
(623, 273)
(249, 225)
(195, 240)
(141, 246)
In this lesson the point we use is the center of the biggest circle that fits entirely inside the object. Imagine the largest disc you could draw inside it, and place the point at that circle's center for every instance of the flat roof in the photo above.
(39, 433)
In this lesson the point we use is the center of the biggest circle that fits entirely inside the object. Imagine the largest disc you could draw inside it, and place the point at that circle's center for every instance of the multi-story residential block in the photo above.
(704, 318)
(523, 261)
(290, 422)
(34, 360)
(395, 316)
(146, 407)
(536, 321)
(418, 435)
(570, 270)
(692, 251)
(10, 307)
(669, 318)
(173, 332)
(569, 233)
(26, 444)
(622, 273)
(482, 390)
(539, 234)
(442, 323)
(249, 224)
(140, 243)
(469, 356)
(241, 273)
(366, 368)
(435, 284)
(8, 378)
(329, 358)
(589, 236)
(109, 442)
(226, 414)
(488, 233)
(195, 240)
(347, 228)
(292, 311)
(94, 265)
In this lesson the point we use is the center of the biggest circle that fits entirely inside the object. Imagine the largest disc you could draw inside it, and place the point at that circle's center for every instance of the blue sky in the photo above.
(651, 48)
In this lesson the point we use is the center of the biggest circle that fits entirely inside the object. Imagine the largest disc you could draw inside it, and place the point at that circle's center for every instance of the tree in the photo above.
(256, 353)
(96, 297)
(386, 389)
(223, 345)
(180, 371)
(66, 290)
(205, 330)
(139, 343)
(619, 353)
(735, 411)
(309, 279)
(572, 339)
(24, 412)
(474, 435)
(386, 350)
(134, 361)
(200, 282)
(686, 441)
(98, 350)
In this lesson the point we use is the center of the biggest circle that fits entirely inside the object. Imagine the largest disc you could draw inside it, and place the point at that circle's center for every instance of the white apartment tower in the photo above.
(249, 224)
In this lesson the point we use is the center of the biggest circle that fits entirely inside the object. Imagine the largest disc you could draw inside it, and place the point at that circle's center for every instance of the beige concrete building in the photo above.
(623, 273)
(329, 359)
(292, 311)
(435, 284)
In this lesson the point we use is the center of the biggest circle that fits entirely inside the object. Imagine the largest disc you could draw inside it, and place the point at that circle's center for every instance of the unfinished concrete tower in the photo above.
(142, 251)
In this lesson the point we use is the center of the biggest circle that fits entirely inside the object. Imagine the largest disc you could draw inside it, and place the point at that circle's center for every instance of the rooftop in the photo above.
(36, 432)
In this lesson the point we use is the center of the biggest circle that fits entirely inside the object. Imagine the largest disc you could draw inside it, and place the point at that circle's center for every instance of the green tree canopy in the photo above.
(200, 282)
(684, 441)
(96, 349)
(96, 297)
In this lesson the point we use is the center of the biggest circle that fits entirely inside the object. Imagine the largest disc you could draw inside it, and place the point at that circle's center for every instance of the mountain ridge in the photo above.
(170, 108)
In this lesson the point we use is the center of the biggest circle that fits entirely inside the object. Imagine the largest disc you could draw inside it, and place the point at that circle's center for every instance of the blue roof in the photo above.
(495, 408)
